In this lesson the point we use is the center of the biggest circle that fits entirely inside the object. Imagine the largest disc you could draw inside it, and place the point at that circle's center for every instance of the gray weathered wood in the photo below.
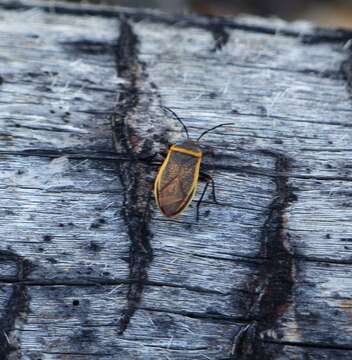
(90, 269)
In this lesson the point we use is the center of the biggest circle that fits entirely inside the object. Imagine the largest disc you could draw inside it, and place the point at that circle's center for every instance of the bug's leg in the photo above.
(150, 159)
(161, 155)
(208, 179)
(201, 198)
(209, 152)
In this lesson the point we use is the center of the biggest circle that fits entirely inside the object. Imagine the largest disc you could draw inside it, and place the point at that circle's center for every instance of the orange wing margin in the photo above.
(172, 194)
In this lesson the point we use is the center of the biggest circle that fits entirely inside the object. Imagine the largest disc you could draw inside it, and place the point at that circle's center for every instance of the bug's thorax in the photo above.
(188, 147)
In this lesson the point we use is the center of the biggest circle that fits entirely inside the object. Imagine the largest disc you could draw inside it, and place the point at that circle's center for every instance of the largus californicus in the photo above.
(178, 176)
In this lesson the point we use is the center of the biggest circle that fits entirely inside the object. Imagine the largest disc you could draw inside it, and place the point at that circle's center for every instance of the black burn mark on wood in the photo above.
(220, 35)
(132, 173)
(95, 247)
(273, 286)
(17, 305)
(97, 223)
(127, 68)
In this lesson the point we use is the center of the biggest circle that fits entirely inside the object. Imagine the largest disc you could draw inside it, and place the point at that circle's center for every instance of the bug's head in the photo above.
(189, 140)
(189, 145)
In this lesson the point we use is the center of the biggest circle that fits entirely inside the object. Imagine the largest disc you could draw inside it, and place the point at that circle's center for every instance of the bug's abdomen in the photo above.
(176, 183)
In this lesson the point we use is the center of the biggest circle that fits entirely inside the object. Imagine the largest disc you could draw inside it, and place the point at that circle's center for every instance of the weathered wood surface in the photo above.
(265, 275)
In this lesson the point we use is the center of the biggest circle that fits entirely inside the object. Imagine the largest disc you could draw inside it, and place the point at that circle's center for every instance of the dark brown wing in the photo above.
(176, 183)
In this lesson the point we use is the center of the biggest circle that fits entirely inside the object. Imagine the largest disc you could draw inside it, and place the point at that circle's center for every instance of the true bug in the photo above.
(177, 179)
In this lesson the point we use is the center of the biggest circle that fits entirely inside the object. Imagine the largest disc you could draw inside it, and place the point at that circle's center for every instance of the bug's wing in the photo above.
(176, 183)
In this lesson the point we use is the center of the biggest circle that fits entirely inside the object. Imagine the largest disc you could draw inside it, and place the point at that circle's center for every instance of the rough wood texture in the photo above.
(88, 267)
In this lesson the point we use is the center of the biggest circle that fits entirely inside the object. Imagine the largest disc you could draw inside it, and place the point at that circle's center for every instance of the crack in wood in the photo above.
(18, 304)
(77, 353)
(123, 157)
(89, 47)
(135, 210)
(316, 36)
(306, 344)
(204, 316)
(322, 35)
(276, 276)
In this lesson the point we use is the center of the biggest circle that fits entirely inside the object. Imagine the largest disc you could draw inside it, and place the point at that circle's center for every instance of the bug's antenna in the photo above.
(211, 129)
(175, 115)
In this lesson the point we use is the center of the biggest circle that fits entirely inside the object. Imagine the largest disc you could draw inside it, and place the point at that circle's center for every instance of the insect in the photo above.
(177, 179)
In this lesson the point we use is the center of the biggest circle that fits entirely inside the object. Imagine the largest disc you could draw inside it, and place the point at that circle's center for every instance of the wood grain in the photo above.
(90, 269)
